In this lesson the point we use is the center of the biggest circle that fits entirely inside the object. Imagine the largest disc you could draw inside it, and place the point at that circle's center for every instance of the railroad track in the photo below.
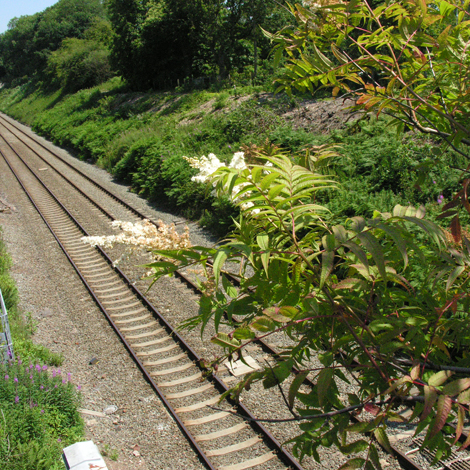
(161, 353)
(166, 360)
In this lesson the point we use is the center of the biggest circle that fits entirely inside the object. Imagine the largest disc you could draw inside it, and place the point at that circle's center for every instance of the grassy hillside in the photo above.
(141, 139)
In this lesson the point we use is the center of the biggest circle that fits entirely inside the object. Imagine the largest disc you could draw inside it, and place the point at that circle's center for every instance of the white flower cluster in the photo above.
(207, 166)
(310, 4)
(238, 161)
(314, 5)
(143, 235)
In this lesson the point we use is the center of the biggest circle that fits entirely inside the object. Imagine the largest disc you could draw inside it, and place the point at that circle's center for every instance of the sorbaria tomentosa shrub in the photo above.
(364, 296)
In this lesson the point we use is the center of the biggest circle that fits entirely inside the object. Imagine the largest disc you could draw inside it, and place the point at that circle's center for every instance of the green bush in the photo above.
(79, 63)
(9, 291)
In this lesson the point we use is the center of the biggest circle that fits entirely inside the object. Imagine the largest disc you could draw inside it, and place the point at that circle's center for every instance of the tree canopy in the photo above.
(26, 46)
(158, 41)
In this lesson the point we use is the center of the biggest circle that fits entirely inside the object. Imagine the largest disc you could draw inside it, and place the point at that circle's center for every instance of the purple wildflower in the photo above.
(64, 381)
(440, 199)
(433, 182)
(58, 371)
(42, 387)
(42, 411)
(15, 380)
(20, 362)
(53, 373)
(44, 367)
(38, 367)
(6, 377)
(17, 399)
(79, 387)
(59, 440)
(31, 377)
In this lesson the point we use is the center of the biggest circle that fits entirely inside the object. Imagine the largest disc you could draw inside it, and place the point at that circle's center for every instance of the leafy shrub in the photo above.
(249, 122)
(293, 139)
(133, 159)
(9, 291)
(29, 351)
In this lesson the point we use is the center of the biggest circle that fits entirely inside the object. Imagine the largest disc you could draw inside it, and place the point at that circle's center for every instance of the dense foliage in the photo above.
(379, 301)
(160, 42)
(82, 63)
(28, 43)
(40, 416)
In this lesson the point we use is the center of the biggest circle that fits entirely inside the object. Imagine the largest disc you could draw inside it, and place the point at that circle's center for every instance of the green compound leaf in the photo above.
(224, 340)
(444, 406)
(263, 324)
(430, 397)
(374, 457)
(323, 384)
(277, 314)
(373, 246)
(219, 260)
(456, 387)
(438, 379)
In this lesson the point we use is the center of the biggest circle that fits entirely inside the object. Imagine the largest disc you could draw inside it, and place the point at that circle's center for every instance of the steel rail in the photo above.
(270, 440)
(102, 209)
(192, 285)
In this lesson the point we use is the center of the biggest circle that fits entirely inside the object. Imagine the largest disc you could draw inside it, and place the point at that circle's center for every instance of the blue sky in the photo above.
(11, 8)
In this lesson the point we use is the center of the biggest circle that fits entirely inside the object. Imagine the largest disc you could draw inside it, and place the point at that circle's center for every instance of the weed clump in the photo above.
(38, 416)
